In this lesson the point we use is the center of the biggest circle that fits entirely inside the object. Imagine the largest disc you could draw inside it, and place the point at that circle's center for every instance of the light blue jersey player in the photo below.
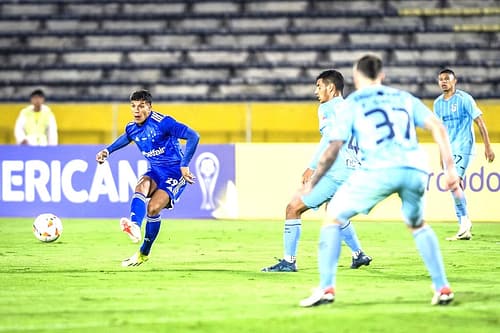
(329, 87)
(157, 137)
(457, 114)
(383, 121)
(458, 110)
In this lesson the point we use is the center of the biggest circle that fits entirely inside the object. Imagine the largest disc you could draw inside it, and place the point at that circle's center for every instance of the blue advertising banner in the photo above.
(66, 181)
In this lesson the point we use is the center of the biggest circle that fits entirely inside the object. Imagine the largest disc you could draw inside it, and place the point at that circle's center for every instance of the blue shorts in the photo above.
(462, 162)
(323, 191)
(365, 188)
(169, 180)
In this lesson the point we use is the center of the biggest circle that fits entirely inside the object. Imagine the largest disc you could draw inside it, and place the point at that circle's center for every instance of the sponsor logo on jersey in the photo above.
(154, 152)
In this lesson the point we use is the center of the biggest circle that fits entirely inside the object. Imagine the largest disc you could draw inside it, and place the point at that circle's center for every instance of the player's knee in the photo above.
(154, 209)
(142, 188)
(291, 208)
(295, 208)
(415, 223)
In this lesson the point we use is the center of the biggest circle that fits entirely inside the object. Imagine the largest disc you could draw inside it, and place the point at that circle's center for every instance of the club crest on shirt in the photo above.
(454, 108)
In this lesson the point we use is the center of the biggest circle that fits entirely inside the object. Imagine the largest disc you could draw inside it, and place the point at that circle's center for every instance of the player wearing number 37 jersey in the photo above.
(383, 121)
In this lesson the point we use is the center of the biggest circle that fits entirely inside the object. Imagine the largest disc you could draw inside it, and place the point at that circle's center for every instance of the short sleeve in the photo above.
(471, 107)
(420, 112)
(342, 128)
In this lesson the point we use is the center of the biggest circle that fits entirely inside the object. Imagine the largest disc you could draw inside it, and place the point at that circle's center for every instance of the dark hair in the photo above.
(37, 92)
(141, 95)
(370, 65)
(447, 71)
(333, 76)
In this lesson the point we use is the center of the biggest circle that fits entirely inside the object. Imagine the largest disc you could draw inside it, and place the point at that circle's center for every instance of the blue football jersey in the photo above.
(457, 114)
(347, 159)
(383, 122)
(158, 139)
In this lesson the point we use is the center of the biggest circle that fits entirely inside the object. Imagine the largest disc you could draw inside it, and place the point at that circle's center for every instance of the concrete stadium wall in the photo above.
(216, 122)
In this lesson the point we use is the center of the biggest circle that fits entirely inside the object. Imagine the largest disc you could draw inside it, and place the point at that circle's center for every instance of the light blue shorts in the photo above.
(323, 191)
(365, 188)
(462, 162)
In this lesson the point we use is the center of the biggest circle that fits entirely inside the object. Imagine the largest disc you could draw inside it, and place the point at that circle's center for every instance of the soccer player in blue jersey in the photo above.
(457, 110)
(329, 88)
(383, 121)
(157, 137)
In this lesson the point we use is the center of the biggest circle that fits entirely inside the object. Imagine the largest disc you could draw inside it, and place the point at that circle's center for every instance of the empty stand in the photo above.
(240, 50)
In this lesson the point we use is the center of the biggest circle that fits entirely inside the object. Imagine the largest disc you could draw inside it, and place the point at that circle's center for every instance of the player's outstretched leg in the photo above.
(132, 226)
(132, 229)
(152, 230)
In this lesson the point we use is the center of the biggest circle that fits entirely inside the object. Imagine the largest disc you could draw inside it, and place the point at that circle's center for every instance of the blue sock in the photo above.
(291, 236)
(349, 236)
(152, 230)
(460, 204)
(138, 208)
(328, 256)
(428, 246)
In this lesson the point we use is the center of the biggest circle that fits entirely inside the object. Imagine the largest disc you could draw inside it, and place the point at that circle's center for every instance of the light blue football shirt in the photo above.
(457, 114)
(383, 122)
(347, 159)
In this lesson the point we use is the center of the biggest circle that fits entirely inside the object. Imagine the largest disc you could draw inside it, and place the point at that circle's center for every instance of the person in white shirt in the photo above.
(36, 124)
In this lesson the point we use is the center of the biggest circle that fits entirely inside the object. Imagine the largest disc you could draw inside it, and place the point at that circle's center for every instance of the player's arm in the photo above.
(438, 115)
(192, 139)
(119, 143)
(326, 160)
(306, 176)
(488, 150)
(181, 131)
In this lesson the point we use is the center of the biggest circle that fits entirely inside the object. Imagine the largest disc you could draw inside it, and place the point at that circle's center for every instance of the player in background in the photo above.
(457, 109)
(329, 88)
(157, 137)
(383, 121)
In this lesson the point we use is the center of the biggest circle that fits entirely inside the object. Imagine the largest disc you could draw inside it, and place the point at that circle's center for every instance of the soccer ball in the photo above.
(47, 227)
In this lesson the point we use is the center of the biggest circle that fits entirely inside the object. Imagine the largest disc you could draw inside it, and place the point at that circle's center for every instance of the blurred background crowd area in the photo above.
(233, 69)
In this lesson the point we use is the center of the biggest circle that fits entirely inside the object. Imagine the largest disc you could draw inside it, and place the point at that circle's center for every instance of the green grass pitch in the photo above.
(204, 276)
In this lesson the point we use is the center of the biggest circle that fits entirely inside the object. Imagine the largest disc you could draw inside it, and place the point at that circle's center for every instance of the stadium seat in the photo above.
(241, 49)
(145, 57)
(142, 7)
(232, 57)
(237, 40)
(215, 7)
(63, 25)
(29, 8)
(277, 6)
(92, 57)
